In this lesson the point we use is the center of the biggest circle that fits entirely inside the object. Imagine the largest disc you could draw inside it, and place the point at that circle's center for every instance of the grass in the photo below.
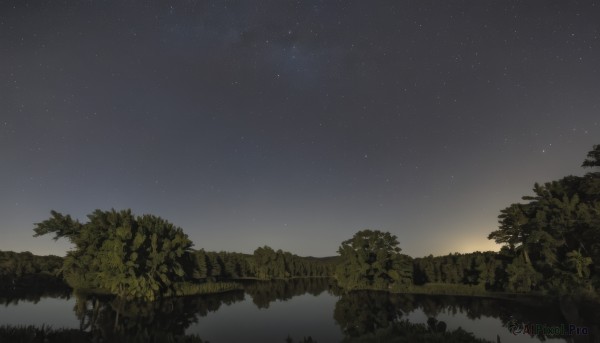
(449, 289)
(188, 288)
(181, 289)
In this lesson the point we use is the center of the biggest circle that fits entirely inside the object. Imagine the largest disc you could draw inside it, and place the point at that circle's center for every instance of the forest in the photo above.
(550, 246)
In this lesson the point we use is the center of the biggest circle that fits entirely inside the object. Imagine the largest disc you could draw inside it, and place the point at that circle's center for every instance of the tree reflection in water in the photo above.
(28, 288)
(265, 292)
(380, 316)
(114, 319)
(362, 316)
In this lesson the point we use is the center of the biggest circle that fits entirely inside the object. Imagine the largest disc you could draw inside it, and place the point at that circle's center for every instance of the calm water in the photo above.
(270, 311)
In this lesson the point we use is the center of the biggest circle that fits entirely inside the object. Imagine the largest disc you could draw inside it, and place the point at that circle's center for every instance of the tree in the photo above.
(553, 239)
(579, 263)
(133, 257)
(265, 257)
(201, 269)
(372, 259)
(593, 158)
(522, 277)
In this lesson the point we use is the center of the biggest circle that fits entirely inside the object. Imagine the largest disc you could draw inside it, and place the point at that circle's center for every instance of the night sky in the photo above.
(293, 124)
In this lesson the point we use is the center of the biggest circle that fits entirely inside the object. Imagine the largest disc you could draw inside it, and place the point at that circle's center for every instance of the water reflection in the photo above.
(265, 292)
(362, 313)
(360, 316)
(380, 317)
(28, 289)
(114, 319)
(383, 316)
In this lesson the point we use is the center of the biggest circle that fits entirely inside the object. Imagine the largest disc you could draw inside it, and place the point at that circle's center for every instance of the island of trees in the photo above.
(551, 245)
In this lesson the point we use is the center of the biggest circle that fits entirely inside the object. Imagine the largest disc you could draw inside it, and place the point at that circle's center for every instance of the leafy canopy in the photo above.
(371, 259)
(554, 238)
(131, 256)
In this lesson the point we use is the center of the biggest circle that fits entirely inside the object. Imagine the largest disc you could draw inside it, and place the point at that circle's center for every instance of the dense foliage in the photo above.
(264, 264)
(478, 268)
(15, 265)
(551, 244)
(21, 272)
(147, 257)
(554, 237)
(372, 260)
(133, 257)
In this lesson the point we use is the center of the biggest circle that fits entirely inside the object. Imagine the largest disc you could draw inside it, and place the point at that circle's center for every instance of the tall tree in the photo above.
(133, 257)
(372, 259)
(593, 158)
(554, 238)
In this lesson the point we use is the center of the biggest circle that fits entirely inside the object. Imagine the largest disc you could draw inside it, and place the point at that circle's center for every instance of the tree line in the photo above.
(148, 257)
(264, 264)
(17, 264)
(552, 240)
(478, 268)
(551, 243)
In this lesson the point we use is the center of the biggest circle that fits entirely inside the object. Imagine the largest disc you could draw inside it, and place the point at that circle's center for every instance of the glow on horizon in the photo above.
(461, 243)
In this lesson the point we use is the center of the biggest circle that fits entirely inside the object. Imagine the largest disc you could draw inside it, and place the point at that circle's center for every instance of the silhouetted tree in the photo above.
(593, 158)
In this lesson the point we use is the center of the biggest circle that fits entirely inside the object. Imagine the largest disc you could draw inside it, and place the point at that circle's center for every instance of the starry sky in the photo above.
(293, 124)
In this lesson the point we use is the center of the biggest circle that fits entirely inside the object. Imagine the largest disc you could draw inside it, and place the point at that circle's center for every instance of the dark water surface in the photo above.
(272, 311)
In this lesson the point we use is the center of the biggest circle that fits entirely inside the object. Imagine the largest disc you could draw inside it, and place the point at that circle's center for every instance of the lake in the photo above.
(272, 311)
